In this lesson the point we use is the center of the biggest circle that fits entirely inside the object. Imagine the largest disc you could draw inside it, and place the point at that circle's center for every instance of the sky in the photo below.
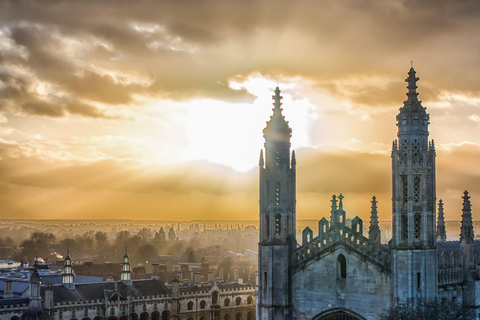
(155, 109)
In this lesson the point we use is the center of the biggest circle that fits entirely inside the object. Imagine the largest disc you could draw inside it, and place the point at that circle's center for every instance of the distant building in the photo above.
(128, 298)
(339, 272)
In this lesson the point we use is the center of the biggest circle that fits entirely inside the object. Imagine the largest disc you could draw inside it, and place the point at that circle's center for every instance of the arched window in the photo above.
(215, 297)
(166, 315)
(203, 304)
(250, 315)
(155, 315)
(341, 267)
(249, 300)
(227, 317)
(190, 305)
(202, 318)
(227, 302)
(238, 301)
(238, 316)
(190, 318)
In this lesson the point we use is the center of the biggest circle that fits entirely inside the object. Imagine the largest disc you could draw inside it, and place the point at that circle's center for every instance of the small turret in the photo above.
(441, 231)
(35, 310)
(68, 277)
(374, 232)
(126, 273)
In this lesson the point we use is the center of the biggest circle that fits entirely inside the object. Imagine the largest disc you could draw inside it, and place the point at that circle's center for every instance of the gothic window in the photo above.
(278, 224)
(417, 222)
(238, 301)
(341, 267)
(405, 147)
(249, 300)
(190, 305)
(416, 189)
(227, 302)
(203, 304)
(277, 194)
(404, 189)
(215, 297)
(415, 147)
(405, 227)
(277, 157)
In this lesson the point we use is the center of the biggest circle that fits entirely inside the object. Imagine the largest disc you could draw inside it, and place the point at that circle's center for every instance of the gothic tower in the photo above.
(68, 275)
(414, 256)
(277, 217)
(126, 273)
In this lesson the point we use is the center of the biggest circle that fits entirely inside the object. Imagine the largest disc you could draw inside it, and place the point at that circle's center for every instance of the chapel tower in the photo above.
(277, 217)
(414, 263)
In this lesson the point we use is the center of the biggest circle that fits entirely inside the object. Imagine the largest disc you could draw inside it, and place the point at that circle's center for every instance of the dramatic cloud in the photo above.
(110, 107)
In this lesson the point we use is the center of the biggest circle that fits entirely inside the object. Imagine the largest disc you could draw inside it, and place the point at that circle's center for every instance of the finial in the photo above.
(411, 63)
(261, 162)
(340, 204)
(412, 84)
(277, 100)
(294, 160)
(334, 203)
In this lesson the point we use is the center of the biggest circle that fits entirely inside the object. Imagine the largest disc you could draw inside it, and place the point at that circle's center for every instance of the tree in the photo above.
(146, 253)
(171, 235)
(432, 310)
(88, 240)
(145, 234)
(160, 236)
(101, 239)
(190, 255)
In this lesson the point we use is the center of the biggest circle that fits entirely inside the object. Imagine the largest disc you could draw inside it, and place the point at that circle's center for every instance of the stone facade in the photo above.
(337, 272)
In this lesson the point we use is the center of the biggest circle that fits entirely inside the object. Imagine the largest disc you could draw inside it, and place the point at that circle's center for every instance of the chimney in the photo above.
(192, 276)
(8, 293)
(198, 277)
(162, 268)
(235, 275)
(48, 296)
(220, 274)
(156, 271)
(180, 276)
(211, 277)
(175, 288)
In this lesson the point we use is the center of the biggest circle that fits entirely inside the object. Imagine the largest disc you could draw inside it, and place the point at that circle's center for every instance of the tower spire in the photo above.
(277, 101)
(374, 232)
(441, 231)
(412, 85)
(466, 234)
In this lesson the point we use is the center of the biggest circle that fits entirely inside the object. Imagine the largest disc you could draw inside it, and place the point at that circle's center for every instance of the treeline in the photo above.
(142, 246)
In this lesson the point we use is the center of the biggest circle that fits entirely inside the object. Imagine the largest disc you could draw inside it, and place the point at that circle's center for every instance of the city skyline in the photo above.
(157, 110)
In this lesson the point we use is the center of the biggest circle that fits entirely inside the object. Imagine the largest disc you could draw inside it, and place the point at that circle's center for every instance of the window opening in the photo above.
(416, 189)
(417, 222)
(278, 225)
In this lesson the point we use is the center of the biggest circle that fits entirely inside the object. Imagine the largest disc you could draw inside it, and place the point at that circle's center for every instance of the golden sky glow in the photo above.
(155, 109)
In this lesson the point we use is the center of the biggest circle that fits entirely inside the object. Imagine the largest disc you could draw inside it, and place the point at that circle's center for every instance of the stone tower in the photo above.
(277, 217)
(414, 256)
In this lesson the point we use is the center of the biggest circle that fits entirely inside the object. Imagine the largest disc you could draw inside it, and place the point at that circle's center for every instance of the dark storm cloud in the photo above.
(185, 50)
